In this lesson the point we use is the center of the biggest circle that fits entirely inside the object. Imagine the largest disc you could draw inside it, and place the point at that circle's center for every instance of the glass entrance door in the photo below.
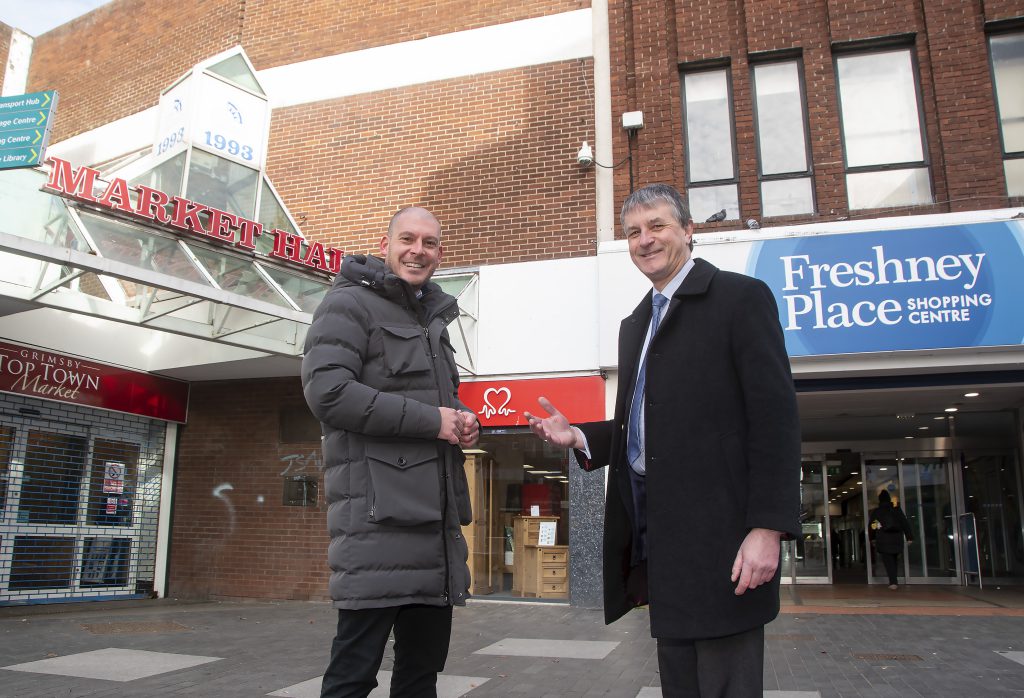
(807, 558)
(921, 486)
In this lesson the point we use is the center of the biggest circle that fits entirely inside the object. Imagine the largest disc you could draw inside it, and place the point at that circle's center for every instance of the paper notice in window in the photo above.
(546, 534)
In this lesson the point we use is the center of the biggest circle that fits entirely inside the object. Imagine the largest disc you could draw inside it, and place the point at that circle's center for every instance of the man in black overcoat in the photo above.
(704, 479)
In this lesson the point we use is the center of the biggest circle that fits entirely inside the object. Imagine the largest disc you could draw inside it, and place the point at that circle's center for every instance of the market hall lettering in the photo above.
(154, 206)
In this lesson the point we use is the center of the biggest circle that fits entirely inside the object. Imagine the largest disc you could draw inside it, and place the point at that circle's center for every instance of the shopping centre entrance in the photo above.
(954, 471)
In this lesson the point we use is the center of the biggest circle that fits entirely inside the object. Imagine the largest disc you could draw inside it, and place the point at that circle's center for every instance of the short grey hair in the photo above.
(654, 194)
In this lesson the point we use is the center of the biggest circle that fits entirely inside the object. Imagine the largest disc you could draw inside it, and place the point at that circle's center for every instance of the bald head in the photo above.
(412, 212)
(412, 248)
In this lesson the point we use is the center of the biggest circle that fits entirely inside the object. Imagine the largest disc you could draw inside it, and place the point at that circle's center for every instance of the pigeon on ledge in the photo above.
(715, 217)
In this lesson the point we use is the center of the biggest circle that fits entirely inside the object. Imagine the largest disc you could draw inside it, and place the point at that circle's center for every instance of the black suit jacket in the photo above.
(722, 454)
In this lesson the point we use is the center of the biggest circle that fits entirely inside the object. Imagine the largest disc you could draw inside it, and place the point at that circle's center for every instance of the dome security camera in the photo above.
(586, 156)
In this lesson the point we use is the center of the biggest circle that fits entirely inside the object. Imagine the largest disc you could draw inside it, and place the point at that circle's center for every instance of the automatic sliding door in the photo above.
(920, 486)
(929, 509)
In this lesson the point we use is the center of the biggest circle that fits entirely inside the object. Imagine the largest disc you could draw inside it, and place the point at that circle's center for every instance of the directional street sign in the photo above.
(25, 122)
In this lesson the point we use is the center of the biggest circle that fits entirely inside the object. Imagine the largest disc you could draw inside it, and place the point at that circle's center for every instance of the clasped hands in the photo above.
(459, 427)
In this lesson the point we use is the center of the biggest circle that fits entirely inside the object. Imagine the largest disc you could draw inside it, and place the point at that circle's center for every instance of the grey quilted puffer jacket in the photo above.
(377, 366)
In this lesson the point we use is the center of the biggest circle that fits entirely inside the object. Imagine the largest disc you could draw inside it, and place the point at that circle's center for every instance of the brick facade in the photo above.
(115, 61)
(653, 40)
(231, 534)
(493, 156)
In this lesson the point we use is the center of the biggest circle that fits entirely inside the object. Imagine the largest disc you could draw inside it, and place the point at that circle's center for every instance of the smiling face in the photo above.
(412, 248)
(658, 244)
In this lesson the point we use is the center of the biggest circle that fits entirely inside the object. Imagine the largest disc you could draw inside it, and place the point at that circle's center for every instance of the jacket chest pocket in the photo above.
(404, 350)
(403, 488)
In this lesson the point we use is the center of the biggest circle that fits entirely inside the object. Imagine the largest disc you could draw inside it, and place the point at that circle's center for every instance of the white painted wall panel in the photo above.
(538, 317)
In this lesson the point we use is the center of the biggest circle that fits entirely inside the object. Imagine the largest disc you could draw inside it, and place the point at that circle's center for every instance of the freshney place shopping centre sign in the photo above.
(910, 289)
(184, 215)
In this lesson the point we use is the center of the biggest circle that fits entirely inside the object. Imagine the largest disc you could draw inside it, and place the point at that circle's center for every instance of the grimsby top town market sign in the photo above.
(154, 206)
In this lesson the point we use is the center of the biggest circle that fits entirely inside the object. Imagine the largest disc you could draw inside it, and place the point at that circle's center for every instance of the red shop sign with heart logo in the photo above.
(502, 403)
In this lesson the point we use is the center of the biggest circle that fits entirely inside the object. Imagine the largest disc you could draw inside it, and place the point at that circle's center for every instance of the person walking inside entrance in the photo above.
(888, 527)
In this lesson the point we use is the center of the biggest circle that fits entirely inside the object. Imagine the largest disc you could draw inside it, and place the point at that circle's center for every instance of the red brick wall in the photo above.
(235, 545)
(652, 39)
(970, 151)
(852, 20)
(279, 33)
(1002, 9)
(493, 156)
(116, 60)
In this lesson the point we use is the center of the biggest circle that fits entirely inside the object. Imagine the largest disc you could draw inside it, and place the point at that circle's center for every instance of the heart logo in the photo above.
(490, 409)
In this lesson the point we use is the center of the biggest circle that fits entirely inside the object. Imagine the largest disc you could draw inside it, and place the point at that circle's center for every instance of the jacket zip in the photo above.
(436, 360)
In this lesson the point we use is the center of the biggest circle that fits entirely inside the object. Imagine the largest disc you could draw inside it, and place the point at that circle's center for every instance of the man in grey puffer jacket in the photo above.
(379, 373)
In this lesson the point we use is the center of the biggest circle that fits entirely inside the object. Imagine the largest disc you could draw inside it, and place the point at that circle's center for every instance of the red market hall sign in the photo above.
(43, 374)
(502, 403)
(183, 215)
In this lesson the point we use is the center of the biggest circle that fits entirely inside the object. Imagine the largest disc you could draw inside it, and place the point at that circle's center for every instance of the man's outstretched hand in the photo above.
(555, 428)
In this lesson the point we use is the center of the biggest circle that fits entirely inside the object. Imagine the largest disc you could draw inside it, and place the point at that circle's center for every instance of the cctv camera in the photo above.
(586, 156)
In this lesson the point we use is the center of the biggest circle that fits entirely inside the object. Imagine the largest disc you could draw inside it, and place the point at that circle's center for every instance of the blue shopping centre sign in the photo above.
(918, 288)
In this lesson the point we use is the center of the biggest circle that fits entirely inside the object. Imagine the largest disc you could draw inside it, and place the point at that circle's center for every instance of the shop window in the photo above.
(112, 483)
(42, 562)
(1007, 54)
(52, 478)
(883, 137)
(105, 562)
(781, 123)
(709, 136)
(518, 483)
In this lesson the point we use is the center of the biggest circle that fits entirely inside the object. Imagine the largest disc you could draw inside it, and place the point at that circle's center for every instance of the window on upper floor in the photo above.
(711, 183)
(883, 138)
(1007, 54)
(780, 117)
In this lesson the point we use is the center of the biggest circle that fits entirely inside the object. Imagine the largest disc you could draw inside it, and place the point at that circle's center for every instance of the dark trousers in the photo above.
(422, 634)
(890, 561)
(721, 667)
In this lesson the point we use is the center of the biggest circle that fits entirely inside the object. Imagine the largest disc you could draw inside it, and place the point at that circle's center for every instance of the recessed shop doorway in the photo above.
(963, 506)
(79, 499)
(947, 448)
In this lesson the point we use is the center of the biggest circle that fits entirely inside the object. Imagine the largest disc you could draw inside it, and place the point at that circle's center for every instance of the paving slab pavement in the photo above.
(820, 647)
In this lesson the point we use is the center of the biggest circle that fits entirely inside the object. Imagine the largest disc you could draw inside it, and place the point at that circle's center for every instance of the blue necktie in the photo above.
(634, 440)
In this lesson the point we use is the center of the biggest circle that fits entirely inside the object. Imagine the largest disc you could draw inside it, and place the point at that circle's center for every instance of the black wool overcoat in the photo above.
(722, 454)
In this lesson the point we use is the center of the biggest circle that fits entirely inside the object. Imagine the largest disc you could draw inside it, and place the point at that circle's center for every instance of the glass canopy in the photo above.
(64, 255)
